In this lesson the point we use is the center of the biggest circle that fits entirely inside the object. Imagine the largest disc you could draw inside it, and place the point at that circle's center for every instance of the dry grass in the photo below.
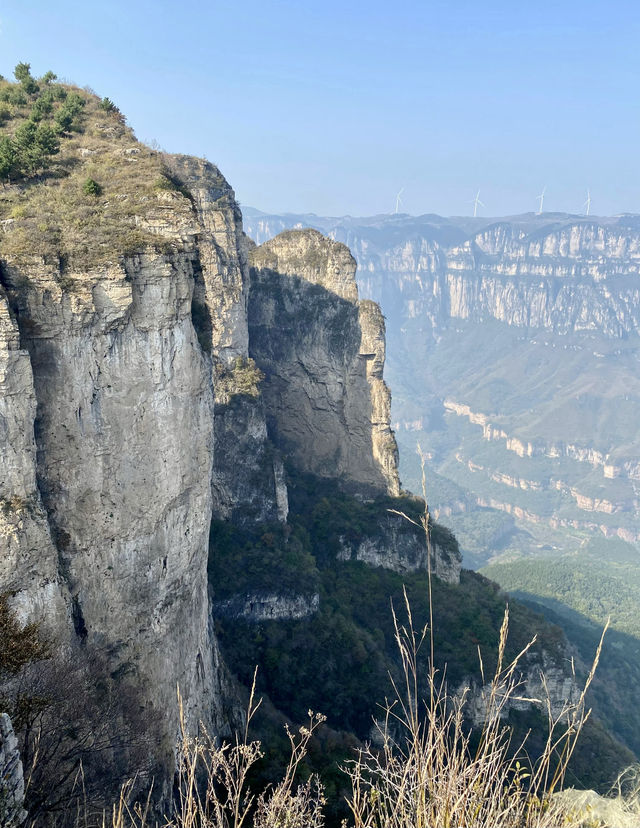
(424, 773)
(49, 217)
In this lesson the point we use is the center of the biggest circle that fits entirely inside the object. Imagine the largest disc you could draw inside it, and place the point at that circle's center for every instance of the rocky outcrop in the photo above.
(396, 544)
(373, 348)
(247, 479)
(322, 355)
(256, 607)
(12, 814)
(544, 685)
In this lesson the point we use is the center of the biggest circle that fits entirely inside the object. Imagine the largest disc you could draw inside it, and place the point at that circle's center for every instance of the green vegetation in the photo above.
(241, 378)
(595, 588)
(420, 771)
(580, 592)
(91, 187)
(339, 661)
(54, 140)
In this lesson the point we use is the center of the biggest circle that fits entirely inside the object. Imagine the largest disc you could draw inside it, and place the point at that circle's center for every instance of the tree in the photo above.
(22, 73)
(108, 105)
(43, 105)
(71, 718)
(91, 187)
(7, 157)
(35, 144)
(69, 110)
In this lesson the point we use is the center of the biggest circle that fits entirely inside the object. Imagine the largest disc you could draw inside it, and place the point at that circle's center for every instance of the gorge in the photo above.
(199, 471)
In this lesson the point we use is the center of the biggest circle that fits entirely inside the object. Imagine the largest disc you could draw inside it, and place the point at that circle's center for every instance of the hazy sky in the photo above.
(332, 107)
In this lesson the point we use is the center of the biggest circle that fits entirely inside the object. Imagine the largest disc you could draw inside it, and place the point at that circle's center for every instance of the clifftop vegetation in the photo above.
(78, 189)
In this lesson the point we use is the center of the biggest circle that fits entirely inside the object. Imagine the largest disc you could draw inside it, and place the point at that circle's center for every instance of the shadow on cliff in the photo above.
(307, 340)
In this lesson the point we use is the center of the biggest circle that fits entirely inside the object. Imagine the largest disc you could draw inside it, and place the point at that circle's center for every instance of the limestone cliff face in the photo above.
(373, 348)
(248, 482)
(12, 814)
(527, 329)
(120, 379)
(559, 272)
(577, 277)
(28, 563)
(400, 546)
(322, 354)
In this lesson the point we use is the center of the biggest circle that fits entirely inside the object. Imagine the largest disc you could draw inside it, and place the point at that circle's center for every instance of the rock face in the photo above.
(28, 559)
(401, 547)
(322, 354)
(247, 475)
(12, 813)
(119, 380)
(132, 411)
(261, 606)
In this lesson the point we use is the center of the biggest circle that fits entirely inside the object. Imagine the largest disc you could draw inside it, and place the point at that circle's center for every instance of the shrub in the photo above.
(108, 105)
(91, 187)
(42, 106)
(7, 157)
(13, 95)
(243, 377)
(68, 112)
(34, 144)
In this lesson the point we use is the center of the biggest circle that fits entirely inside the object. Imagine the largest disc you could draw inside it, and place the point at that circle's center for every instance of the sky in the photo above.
(334, 107)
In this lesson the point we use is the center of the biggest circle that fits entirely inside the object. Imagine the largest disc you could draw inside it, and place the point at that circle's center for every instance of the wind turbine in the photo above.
(587, 203)
(398, 199)
(475, 203)
(541, 199)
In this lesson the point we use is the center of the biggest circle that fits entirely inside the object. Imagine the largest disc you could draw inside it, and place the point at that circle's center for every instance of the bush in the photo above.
(91, 187)
(108, 105)
(243, 377)
(66, 116)
(7, 157)
(34, 144)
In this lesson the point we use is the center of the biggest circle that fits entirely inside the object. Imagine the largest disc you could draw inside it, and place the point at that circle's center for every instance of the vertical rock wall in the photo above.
(124, 434)
(28, 558)
(247, 475)
(12, 813)
(322, 355)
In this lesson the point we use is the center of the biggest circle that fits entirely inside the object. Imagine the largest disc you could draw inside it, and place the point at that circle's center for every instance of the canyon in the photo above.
(200, 471)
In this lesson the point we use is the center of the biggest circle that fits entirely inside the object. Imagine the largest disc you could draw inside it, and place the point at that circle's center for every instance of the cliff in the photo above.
(322, 353)
(197, 453)
(148, 386)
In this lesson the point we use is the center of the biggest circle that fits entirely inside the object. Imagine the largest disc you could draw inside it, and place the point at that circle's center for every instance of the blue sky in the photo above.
(332, 107)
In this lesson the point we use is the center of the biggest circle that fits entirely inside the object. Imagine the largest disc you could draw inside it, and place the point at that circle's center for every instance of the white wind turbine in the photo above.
(541, 199)
(587, 203)
(398, 199)
(476, 201)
